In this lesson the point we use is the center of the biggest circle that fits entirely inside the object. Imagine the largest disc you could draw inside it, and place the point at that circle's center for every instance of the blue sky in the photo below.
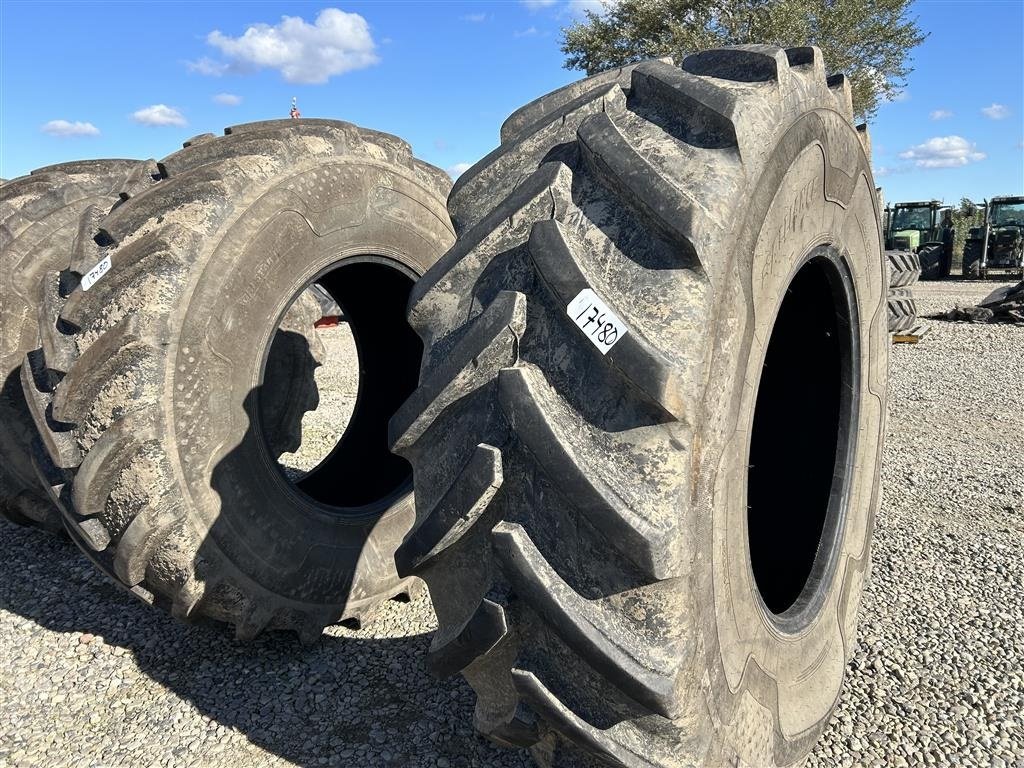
(85, 79)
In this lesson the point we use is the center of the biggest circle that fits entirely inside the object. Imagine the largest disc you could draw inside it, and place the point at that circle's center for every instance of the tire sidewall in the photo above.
(771, 687)
(253, 521)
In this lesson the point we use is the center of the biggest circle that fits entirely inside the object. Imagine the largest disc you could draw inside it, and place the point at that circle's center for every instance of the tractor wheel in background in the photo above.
(971, 266)
(39, 220)
(162, 401)
(932, 261)
(647, 436)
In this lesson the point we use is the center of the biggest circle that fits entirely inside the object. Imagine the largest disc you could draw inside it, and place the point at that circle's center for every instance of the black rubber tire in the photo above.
(175, 492)
(971, 265)
(932, 261)
(39, 219)
(583, 511)
(537, 113)
(904, 268)
(902, 310)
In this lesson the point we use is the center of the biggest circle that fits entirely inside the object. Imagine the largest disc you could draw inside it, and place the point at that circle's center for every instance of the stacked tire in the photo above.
(647, 436)
(904, 272)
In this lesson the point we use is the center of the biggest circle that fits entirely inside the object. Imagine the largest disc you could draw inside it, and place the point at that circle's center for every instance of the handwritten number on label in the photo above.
(598, 323)
(90, 278)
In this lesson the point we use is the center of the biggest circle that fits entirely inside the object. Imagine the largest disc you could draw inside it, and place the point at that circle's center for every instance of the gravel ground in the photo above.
(92, 677)
(338, 383)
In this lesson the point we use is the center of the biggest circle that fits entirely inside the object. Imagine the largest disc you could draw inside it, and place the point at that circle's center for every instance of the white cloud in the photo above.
(159, 114)
(900, 96)
(531, 32)
(940, 114)
(474, 18)
(67, 128)
(228, 99)
(534, 5)
(996, 111)
(207, 66)
(458, 169)
(943, 152)
(335, 43)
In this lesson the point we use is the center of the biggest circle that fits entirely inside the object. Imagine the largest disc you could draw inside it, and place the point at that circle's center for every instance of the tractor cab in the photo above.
(924, 227)
(911, 225)
(999, 242)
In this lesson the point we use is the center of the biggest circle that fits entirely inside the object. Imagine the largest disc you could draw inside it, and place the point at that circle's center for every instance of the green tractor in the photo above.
(999, 242)
(926, 228)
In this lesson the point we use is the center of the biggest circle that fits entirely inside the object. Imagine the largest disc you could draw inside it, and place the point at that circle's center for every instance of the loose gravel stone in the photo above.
(337, 380)
(90, 676)
(937, 675)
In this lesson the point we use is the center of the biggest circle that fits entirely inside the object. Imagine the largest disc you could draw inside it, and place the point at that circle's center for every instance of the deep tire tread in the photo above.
(645, 542)
(491, 344)
(122, 339)
(595, 634)
(600, 744)
(563, 272)
(574, 550)
(39, 215)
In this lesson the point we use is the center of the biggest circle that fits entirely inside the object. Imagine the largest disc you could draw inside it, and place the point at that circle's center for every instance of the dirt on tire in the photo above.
(160, 375)
(39, 220)
(653, 391)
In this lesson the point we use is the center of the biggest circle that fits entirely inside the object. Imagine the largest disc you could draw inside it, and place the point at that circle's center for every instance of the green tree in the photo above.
(868, 40)
(965, 216)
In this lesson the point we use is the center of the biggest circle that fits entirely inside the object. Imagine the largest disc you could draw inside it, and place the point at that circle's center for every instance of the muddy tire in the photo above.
(159, 409)
(39, 219)
(904, 268)
(605, 356)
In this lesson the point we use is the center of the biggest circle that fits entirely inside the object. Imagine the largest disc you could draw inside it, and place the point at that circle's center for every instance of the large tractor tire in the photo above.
(161, 411)
(933, 266)
(648, 432)
(971, 265)
(39, 219)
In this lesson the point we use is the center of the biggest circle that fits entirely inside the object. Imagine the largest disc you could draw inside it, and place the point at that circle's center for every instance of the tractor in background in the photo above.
(926, 228)
(999, 242)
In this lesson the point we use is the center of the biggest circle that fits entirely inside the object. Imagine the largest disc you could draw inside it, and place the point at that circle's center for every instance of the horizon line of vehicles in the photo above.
(927, 229)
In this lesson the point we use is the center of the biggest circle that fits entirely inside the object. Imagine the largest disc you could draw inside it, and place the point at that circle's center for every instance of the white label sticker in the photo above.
(598, 323)
(93, 275)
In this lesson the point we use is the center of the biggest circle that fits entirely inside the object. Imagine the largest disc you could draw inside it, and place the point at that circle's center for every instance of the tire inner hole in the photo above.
(369, 365)
(801, 439)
